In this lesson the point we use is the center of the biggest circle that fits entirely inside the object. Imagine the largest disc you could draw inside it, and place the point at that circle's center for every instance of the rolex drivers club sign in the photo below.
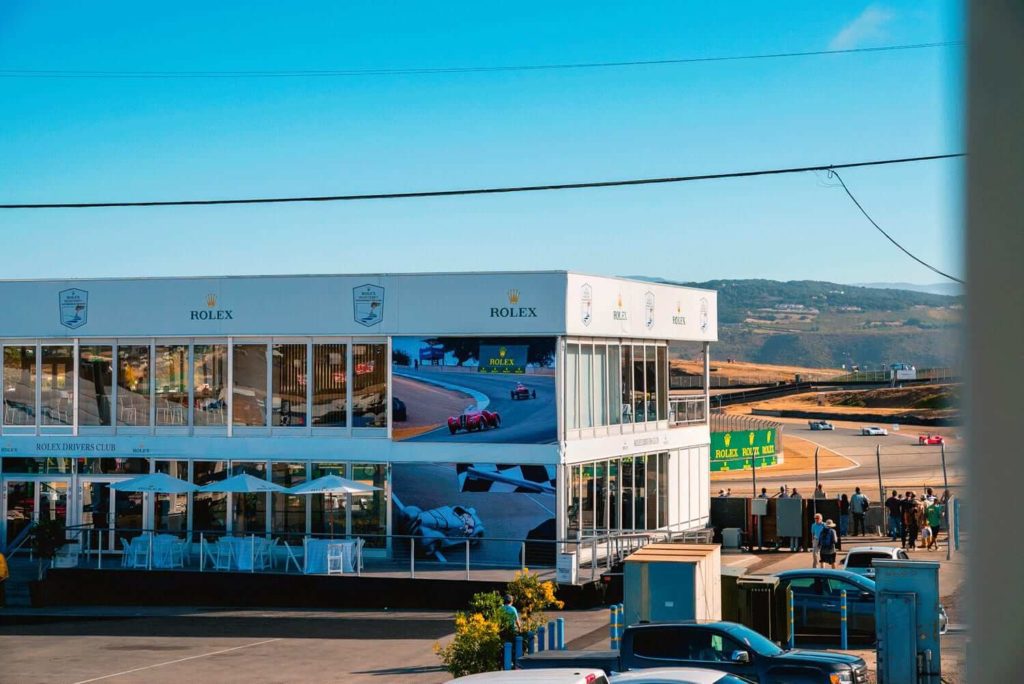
(742, 449)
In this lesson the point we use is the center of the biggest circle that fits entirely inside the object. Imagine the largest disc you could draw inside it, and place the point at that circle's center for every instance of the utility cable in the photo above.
(483, 191)
(832, 172)
(306, 73)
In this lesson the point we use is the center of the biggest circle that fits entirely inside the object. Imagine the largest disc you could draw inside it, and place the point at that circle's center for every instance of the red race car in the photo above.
(930, 439)
(473, 421)
(521, 391)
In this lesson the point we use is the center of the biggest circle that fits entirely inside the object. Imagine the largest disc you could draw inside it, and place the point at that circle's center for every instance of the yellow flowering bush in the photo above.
(475, 648)
(531, 597)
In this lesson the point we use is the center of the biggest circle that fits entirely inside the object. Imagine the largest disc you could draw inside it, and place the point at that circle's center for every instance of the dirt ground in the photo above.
(743, 371)
(798, 458)
(908, 401)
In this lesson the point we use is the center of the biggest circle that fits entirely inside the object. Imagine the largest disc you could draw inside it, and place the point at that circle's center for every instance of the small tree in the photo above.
(48, 536)
(477, 646)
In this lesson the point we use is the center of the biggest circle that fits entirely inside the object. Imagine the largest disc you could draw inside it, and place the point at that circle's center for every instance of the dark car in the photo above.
(399, 414)
(816, 599)
(474, 421)
(521, 391)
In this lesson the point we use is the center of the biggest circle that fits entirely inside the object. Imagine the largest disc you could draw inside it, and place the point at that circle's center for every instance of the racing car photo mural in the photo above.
(494, 506)
(475, 389)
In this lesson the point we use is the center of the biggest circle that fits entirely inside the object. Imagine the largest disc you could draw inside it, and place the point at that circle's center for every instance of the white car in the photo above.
(860, 558)
(820, 425)
(678, 675)
(874, 431)
(553, 675)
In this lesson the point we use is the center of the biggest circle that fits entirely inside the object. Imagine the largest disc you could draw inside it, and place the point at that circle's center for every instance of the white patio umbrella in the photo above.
(160, 483)
(332, 485)
(243, 483)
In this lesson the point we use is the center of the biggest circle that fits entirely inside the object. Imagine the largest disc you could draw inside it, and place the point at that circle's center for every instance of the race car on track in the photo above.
(439, 528)
(473, 421)
(930, 439)
(874, 431)
(820, 425)
(520, 391)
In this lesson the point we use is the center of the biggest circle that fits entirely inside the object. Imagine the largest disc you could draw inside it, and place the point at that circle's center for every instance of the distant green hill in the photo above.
(821, 324)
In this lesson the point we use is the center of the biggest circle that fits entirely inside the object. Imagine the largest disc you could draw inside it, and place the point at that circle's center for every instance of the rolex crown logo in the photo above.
(513, 296)
(728, 439)
(502, 351)
(750, 437)
(618, 302)
(211, 300)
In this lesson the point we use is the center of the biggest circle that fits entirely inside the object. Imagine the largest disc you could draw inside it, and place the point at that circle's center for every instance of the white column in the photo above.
(707, 381)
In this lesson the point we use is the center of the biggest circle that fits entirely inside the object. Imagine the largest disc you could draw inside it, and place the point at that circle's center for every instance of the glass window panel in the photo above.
(21, 507)
(369, 513)
(651, 384)
(289, 377)
(53, 501)
(95, 385)
(586, 385)
(572, 499)
(171, 510)
(369, 386)
(613, 491)
(329, 402)
(587, 497)
(171, 384)
(572, 390)
(210, 378)
(662, 383)
(639, 392)
(56, 374)
(209, 509)
(289, 512)
(664, 465)
(113, 466)
(627, 384)
(639, 493)
(20, 385)
(133, 377)
(250, 380)
(614, 387)
(49, 464)
(652, 491)
(627, 493)
(249, 514)
(600, 384)
(328, 512)
(600, 497)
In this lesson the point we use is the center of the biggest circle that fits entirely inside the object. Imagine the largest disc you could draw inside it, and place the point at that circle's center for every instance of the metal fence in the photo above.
(686, 410)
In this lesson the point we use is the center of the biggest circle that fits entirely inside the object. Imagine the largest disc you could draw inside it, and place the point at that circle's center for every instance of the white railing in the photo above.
(687, 410)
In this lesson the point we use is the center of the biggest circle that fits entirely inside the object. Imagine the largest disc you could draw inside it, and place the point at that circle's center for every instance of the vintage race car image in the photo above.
(474, 421)
(439, 528)
(399, 413)
(521, 391)
(930, 439)
(874, 430)
(820, 425)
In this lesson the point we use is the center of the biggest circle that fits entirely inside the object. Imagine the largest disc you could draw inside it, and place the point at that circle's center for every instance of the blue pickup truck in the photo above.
(724, 646)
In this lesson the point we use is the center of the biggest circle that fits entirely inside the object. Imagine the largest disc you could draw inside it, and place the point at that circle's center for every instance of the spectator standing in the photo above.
(795, 494)
(913, 521)
(728, 492)
(782, 493)
(827, 543)
(892, 505)
(906, 513)
(4, 574)
(763, 494)
(510, 609)
(819, 492)
(816, 527)
(721, 493)
(844, 515)
(929, 496)
(934, 517)
(858, 507)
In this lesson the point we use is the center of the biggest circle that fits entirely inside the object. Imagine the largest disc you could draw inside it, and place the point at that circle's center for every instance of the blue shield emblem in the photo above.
(368, 304)
(74, 308)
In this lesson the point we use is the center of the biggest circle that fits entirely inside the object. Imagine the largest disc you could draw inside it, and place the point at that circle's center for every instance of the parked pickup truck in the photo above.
(724, 646)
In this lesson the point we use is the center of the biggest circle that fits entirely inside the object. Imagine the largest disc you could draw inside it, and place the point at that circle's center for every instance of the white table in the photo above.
(243, 553)
(163, 556)
(315, 560)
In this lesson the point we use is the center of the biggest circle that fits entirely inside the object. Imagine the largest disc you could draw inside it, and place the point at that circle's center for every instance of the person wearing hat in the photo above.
(827, 542)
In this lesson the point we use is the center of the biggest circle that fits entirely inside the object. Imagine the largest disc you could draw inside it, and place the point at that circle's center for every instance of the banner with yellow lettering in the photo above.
(742, 449)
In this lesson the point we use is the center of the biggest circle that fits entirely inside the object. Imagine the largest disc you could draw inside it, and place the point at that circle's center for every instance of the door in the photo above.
(111, 514)
(27, 501)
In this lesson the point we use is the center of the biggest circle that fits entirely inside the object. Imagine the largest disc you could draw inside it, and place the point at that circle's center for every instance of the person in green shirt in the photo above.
(934, 515)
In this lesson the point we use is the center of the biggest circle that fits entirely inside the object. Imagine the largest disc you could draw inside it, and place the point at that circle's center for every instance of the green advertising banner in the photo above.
(739, 449)
(502, 358)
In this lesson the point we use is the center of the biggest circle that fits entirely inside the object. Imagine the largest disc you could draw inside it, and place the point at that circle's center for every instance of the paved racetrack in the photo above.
(905, 464)
(523, 421)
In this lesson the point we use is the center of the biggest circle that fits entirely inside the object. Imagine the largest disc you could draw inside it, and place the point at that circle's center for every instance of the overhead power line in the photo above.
(418, 71)
(833, 172)
(479, 191)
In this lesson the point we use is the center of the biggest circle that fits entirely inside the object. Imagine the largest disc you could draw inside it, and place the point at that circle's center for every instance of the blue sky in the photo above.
(127, 139)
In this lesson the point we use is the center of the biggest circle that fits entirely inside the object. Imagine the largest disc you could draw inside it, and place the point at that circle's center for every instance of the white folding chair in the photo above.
(139, 557)
(126, 552)
(336, 559)
(293, 556)
(223, 556)
(178, 553)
